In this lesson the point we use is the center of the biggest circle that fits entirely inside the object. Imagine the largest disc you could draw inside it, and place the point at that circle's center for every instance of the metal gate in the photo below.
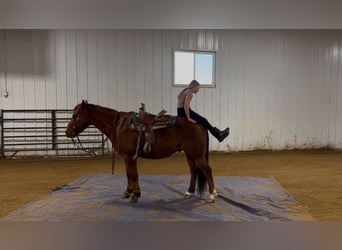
(42, 133)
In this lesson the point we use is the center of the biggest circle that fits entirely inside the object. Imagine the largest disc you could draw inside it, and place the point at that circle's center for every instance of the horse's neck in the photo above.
(103, 119)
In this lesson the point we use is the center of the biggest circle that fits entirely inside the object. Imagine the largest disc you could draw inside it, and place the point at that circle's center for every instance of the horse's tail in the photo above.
(201, 182)
(207, 148)
(201, 178)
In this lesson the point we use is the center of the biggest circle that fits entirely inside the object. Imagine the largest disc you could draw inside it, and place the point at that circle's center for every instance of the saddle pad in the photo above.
(98, 197)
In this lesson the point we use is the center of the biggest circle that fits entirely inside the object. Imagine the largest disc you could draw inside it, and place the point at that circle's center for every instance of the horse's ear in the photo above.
(84, 103)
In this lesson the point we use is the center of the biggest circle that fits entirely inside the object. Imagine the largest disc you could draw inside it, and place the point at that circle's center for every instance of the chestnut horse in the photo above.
(182, 136)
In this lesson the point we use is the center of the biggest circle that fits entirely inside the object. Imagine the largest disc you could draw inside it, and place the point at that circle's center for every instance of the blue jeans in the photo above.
(198, 118)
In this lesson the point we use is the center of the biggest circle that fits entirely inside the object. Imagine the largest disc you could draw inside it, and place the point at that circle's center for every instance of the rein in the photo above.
(79, 146)
(113, 150)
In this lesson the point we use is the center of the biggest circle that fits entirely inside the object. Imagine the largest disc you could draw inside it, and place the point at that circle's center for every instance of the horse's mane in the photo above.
(91, 106)
(101, 107)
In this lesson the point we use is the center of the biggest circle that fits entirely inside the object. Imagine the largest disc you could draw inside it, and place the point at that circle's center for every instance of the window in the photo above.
(194, 64)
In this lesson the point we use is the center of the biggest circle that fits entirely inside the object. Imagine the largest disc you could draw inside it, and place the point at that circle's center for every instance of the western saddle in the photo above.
(145, 123)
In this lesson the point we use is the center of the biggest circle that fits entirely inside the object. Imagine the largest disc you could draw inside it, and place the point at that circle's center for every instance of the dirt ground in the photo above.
(314, 178)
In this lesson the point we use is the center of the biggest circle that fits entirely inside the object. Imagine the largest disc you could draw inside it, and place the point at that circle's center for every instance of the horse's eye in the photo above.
(75, 117)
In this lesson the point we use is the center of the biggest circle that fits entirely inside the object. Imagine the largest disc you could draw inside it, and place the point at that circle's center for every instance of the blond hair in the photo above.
(191, 85)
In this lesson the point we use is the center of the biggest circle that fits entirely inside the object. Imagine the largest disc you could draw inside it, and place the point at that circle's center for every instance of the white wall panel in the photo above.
(51, 77)
(61, 71)
(276, 89)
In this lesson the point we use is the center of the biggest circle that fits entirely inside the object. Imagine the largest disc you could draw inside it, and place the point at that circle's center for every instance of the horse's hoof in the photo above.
(212, 197)
(134, 199)
(126, 195)
(210, 200)
(187, 195)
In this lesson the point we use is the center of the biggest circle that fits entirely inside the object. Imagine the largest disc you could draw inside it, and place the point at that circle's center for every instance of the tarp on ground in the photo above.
(98, 197)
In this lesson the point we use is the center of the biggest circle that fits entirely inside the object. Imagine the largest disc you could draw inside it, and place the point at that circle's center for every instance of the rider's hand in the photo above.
(191, 120)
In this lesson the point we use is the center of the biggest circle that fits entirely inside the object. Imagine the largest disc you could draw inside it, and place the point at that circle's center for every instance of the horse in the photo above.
(191, 138)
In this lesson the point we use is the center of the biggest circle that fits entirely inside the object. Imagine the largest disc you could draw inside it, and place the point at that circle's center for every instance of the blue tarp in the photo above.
(98, 197)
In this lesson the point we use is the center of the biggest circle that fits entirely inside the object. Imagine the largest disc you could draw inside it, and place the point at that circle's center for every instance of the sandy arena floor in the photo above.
(314, 178)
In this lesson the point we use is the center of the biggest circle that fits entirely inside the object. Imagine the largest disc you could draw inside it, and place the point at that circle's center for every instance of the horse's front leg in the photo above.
(132, 178)
(130, 185)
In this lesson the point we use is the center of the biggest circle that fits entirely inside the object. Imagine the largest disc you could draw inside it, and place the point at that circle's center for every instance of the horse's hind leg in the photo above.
(133, 179)
(192, 185)
(207, 171)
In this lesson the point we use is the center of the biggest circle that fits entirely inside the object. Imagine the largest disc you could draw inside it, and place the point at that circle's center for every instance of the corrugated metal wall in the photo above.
(276, 89)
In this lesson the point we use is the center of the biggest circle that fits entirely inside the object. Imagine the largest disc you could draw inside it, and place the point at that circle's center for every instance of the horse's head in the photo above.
(80, 119)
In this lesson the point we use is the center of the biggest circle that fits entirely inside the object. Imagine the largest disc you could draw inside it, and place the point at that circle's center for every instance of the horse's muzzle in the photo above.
(71, 133)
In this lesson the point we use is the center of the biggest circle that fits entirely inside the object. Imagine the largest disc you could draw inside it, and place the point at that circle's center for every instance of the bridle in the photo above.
(80, 146)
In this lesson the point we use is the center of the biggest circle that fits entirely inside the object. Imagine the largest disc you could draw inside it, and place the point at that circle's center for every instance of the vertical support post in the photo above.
(2, 153)
(54, 130)
(103, 144)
